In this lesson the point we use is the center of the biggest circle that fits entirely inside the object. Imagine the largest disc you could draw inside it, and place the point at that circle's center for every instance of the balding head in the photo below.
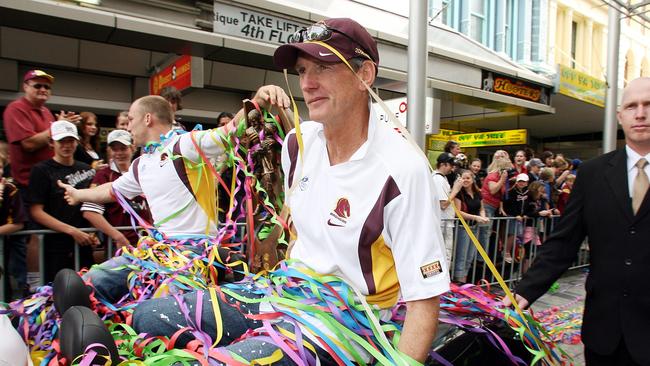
(157, 106)
(634, 115)
(634, 87)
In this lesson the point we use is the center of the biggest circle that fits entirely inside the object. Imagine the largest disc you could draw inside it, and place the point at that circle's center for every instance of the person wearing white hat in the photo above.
(514, 206)
(48, 207)
(106, 217)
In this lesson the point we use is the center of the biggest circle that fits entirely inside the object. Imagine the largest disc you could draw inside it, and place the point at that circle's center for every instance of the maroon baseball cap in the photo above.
(33, 74)
(345, 35)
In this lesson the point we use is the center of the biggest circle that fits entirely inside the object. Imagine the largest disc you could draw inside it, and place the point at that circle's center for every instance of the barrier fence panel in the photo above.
(512, 246)
(502, 235)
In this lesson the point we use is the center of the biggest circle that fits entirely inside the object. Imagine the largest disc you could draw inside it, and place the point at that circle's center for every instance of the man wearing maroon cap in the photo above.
(27, 124)
(385, 183)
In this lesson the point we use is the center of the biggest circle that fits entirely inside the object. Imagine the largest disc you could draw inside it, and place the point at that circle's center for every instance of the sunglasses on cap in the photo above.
(321, 32)
(41, 86)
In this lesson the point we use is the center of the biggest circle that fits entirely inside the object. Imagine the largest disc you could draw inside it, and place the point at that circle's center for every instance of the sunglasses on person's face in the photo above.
(321, 32)
(41, 86)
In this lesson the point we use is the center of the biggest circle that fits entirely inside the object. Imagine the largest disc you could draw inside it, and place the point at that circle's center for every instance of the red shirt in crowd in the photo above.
(23, 120)
(492, 199)
(113, 212)
(521, 169)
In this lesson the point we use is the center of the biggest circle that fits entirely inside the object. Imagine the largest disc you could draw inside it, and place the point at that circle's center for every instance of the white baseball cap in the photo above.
(62, 129)
(522, 177)
(121, 136)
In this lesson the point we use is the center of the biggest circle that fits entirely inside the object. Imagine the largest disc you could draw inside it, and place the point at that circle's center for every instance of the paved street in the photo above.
(569, 296)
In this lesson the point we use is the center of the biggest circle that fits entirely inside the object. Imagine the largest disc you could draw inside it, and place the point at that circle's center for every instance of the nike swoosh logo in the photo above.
(324, 54)
(330, 223)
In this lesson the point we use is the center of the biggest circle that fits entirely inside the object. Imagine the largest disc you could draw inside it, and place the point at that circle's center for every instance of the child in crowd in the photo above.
(48, 207)
(563, 196)
(514, 206)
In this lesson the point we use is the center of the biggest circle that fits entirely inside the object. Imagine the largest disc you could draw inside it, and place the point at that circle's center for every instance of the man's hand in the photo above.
(271, 95)
(523, 303)
(70, 194)
(68, 116)
(98, 164)
(81, 238)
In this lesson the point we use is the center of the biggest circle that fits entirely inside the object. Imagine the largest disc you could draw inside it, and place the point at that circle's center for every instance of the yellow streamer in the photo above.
(217, 315)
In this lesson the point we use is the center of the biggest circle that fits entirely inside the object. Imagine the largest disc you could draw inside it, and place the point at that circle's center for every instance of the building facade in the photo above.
(106, 53)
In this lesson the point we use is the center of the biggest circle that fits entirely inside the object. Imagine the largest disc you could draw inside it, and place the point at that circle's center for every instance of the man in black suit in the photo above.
(610, 205)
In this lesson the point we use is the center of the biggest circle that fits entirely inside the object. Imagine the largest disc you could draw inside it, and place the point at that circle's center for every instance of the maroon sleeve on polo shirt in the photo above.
(102, 176)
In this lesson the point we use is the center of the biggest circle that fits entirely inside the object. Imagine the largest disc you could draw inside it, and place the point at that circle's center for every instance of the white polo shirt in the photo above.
(179, 188)
(369, 220)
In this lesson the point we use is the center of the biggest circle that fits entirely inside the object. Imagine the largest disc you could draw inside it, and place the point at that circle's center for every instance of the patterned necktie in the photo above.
(640, 186)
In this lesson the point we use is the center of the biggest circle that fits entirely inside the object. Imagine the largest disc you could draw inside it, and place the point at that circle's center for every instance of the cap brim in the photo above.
(286, 55)
(64, 135)
(121, 141)
(48, 77)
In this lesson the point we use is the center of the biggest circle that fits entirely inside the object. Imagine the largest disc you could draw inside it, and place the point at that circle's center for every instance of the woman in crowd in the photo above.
(547, 157)
(122, 121)
(561, 169)
(468, 201)
(88, 147)
(475, 167)
(493, 190)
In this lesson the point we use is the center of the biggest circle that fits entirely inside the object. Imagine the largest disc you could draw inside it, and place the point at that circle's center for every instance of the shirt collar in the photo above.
(114, 167)
(633, 157)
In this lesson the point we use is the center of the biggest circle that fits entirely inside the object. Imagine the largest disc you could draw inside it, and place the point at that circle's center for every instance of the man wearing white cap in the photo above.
(49, 208)
(106, 217)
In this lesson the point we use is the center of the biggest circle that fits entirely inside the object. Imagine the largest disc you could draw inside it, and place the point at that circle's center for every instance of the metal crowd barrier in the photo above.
(110, 250)
(496, 247)
(499, 230)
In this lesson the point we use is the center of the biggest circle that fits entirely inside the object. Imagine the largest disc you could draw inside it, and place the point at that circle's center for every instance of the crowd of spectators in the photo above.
(501, 204)
(42, 148)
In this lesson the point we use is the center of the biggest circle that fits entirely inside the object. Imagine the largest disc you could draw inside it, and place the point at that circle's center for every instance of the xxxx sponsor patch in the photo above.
(431, 269)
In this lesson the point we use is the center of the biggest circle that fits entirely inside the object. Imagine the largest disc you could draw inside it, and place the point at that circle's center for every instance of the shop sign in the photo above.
(506, 85)
(246, 23)
(178, 75)
(437, 142)
(492, 138)
(399, 107)
(581, 86)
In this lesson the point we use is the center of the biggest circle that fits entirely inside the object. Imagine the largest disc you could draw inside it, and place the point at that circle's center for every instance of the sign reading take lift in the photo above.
(178, 75)
(246, 23)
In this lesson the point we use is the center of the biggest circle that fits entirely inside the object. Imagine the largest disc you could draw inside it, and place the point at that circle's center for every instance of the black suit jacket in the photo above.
(618, 285)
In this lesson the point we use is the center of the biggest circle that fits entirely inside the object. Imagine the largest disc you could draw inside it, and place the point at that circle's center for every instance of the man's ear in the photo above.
(367, 73)
(147, 119)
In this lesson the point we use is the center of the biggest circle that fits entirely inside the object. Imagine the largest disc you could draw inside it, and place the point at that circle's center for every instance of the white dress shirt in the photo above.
(632, 170)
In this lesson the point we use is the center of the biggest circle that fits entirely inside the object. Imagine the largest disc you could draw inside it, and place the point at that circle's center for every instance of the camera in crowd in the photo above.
(461, 161)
